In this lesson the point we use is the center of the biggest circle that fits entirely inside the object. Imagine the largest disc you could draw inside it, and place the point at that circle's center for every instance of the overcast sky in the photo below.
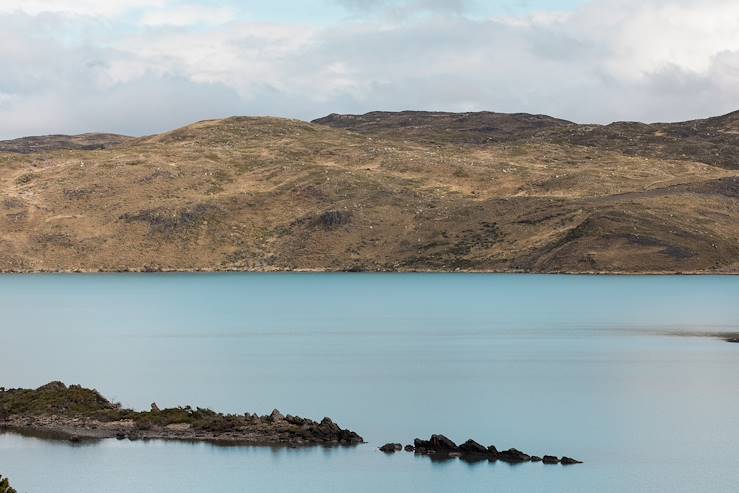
(144, 66)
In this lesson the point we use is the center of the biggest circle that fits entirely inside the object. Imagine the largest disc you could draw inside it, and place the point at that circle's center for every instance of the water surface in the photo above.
(591, 367)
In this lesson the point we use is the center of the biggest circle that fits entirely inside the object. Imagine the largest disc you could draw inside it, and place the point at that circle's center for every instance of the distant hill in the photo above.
(87, 142)
(410, 191)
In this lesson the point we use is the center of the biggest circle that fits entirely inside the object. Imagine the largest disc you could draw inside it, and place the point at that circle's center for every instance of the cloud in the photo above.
(407, 7)
(607, 60)
(77, 7)
(188, 15)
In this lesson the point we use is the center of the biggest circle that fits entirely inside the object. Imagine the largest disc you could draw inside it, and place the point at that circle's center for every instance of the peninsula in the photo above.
(76, 413)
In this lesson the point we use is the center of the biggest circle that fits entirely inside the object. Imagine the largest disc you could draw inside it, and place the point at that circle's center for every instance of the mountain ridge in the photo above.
(481, 192)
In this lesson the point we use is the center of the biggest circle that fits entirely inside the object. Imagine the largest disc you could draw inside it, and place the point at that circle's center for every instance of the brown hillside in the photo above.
(419, 191)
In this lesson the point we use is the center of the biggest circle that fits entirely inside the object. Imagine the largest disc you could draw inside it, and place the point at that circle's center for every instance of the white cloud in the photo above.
(609, 60)
(188, 15)
(77, 7)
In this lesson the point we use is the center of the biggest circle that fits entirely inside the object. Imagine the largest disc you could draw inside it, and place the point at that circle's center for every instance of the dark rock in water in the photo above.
(472, 447)
(513, 456)
(410, 448)
(550, 459)
(440, 443)
(535, 458)
(120, 436)
(734, 340)
(421, 444)
(492, 451)
(568, 460)
(391, 448)
(74, 439)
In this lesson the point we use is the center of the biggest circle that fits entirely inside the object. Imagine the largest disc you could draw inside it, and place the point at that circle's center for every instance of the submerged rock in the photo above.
(568, 460)
(391, 448)
(513, 456)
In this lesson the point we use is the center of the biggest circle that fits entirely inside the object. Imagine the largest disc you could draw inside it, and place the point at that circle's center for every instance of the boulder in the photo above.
(492, 451)
(276, 415)
(421, 444)
(550, 459)
(569, 460)
(410, 448)
(535, 458)
(513, 456)
(472, 447)
(154, 407)
(440, 443)
(74, 439)
(391, 448)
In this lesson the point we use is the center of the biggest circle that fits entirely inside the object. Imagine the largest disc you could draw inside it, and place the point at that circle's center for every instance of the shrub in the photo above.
(5, 486)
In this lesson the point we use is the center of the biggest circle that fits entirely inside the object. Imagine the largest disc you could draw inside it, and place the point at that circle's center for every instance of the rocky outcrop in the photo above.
(76, 414)
(439, 447)
(391, 448)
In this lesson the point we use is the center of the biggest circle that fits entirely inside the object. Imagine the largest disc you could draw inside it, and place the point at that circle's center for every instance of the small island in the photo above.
(76, 413)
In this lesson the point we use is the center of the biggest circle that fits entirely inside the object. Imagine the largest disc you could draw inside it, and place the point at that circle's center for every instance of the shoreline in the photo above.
(369, 272)
(75, 414)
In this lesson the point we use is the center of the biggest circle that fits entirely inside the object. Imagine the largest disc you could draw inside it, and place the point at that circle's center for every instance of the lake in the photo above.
(609, 370)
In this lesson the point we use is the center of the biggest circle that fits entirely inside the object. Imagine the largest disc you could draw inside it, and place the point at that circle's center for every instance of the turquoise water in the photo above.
(610, 370)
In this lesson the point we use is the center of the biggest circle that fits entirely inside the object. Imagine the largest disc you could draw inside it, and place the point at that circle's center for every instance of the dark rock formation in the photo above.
(568, 460)
(391, 448)
(441, 448)
(472, 447)
(513, 456)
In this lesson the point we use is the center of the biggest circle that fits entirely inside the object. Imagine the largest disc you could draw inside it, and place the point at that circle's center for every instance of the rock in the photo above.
(440, 443)
(391, 448)
(154, 407)
(513, 456)
(535, 458)
(328, 426)
(734, 340)
(53, 386)
(550, 459)
(569, 460)
(410, 448)
(120, 436)
(74, 439)
(421, 444)
(472, 447)
(492, 451)
(276, 415)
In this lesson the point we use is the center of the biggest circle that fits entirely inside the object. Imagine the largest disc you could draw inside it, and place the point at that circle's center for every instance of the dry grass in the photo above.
(254, 194)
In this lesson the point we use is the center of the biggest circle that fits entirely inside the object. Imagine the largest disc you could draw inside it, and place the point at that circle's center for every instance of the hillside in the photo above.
(376, 192)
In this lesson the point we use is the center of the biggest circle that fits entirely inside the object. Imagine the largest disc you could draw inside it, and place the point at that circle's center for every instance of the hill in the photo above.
(377, 192)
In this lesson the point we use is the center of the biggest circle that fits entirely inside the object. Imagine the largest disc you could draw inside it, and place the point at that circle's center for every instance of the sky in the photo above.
(144, 66)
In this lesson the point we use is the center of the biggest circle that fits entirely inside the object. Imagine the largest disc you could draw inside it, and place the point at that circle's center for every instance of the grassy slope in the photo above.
(484, 192)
